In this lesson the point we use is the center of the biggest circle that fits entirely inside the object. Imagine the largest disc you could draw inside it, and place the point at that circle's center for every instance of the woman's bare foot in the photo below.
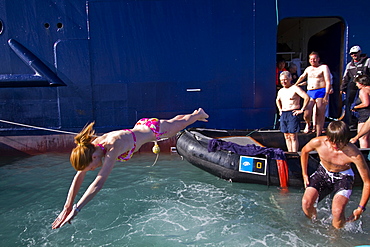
(202, 115)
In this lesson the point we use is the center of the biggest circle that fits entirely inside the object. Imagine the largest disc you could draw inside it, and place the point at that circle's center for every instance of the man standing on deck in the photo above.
(288, 103)
(334, 174)
(359, 65)
(318, 88)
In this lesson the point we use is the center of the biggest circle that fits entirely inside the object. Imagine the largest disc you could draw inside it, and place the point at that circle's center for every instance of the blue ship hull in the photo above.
(113, 62)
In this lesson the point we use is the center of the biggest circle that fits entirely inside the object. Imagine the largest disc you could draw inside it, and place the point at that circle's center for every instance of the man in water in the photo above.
(318, 88)
(288, 103)
(334, 174)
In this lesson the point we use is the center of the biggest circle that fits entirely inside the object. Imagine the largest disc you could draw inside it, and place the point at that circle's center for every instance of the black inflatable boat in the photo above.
(230, 164)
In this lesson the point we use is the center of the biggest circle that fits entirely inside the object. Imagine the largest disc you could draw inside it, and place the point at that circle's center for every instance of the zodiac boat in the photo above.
(228, 155)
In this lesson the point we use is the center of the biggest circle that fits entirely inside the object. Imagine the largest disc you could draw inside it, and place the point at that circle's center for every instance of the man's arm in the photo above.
(278, 103)
(367, 65)
(326, 72)
(305, 152)
(305, 98)
(301, 78)
(363, 170)
(345, 80)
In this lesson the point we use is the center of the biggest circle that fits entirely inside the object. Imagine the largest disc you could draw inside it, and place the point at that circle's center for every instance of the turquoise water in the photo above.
(170, 204)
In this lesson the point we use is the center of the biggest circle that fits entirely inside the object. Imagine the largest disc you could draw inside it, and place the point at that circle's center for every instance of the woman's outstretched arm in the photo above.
(73, 190)
(93, 189)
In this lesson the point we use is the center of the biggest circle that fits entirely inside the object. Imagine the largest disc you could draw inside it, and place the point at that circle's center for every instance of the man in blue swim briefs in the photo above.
(288, 102)
(318, 88)
(334, 174)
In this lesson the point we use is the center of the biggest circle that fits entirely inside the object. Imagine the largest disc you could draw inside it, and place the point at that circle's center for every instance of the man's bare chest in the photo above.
(288, 94)
(315, 73)
(335, 161)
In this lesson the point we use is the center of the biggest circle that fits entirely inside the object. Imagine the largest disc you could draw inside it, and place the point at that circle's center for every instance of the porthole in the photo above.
(59, 25)
(46, 25)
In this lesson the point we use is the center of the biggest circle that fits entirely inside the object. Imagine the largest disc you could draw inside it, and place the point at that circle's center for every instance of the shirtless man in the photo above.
(334, 174)
(318, 88)
(288, 103)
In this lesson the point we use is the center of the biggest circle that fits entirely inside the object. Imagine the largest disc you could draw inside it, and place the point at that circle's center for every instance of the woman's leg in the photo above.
(364, 140)
(180, 122)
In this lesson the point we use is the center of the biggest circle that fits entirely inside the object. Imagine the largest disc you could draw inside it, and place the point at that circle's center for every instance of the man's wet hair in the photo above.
(338, 133)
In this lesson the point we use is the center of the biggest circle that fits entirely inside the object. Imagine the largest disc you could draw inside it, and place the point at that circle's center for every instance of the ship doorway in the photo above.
(298, 37)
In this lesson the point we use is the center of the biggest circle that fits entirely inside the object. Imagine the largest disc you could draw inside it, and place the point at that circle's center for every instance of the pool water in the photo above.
(170, 204)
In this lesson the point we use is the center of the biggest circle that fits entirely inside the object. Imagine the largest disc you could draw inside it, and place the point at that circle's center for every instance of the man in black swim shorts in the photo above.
(334, 175)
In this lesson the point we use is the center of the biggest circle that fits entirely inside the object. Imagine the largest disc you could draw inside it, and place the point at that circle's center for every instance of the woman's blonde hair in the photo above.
(81, 155)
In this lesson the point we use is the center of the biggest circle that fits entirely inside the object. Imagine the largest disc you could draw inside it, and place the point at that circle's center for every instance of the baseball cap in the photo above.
(355, 49)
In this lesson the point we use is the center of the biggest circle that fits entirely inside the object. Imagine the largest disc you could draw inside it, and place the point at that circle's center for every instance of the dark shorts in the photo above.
(317, 93)
(289, 123)
(331, 182)
(363, 115)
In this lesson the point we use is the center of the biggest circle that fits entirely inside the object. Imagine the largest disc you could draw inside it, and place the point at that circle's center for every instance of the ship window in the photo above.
(59, 25)
(47, 25)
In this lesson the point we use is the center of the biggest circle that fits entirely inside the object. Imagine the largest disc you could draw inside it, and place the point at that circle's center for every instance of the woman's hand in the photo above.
(61, 218)
(70, 217)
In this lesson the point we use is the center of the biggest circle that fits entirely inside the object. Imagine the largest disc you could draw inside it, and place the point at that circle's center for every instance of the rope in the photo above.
(156, 158)
(40, 128)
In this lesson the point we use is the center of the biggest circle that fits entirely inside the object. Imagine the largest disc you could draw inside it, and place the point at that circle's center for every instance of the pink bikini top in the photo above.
(126, 155)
